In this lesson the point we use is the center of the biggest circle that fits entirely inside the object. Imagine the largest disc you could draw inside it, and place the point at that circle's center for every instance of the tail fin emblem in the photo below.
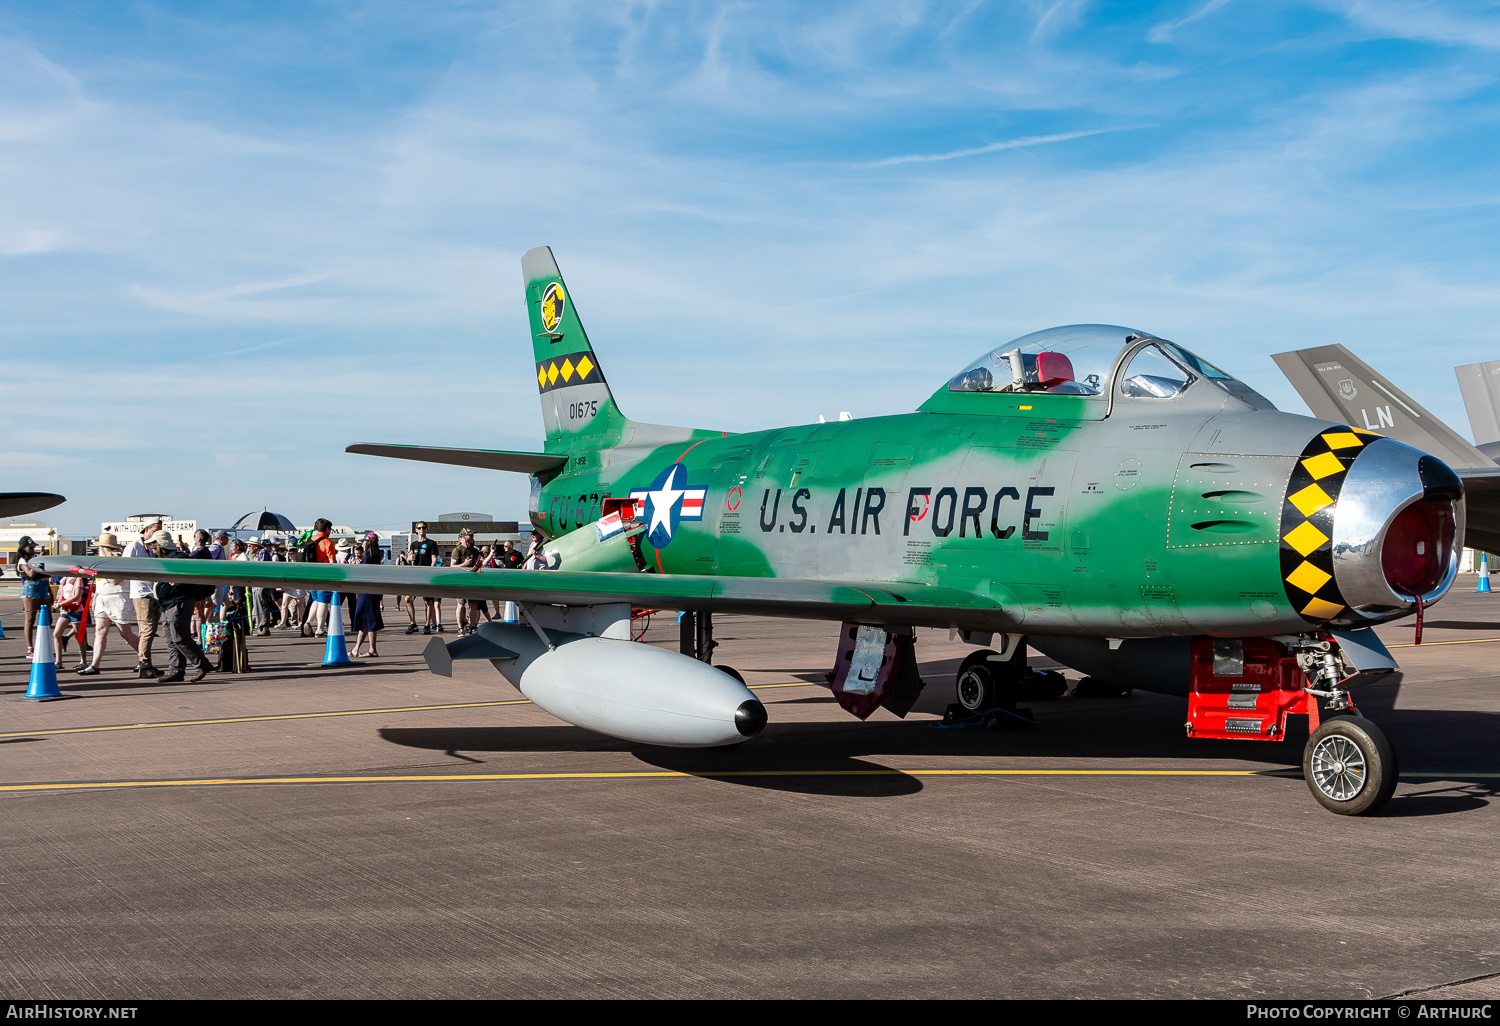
(553, 302)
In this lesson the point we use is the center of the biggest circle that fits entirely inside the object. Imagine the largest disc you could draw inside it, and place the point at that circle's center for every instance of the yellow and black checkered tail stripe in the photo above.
(1307, 522)
(572, 369)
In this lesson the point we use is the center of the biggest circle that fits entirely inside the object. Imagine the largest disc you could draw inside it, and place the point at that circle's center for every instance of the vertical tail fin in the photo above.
(1339, 386)
(1480, 385)
(578, 409)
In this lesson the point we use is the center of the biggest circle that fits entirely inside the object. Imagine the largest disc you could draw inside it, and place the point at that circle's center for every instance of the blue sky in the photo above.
(236, 237)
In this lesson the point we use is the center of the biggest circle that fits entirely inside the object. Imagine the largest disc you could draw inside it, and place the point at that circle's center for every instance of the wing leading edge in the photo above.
(890, 603)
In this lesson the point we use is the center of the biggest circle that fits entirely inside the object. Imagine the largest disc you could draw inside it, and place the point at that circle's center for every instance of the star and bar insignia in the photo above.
(669, 501)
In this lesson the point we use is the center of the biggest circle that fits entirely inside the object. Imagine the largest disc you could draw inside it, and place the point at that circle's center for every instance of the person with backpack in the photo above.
(73, 595)
(319, 548)
(177, 602)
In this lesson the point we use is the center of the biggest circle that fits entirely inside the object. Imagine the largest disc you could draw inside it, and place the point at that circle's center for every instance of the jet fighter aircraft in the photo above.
(1095, 492)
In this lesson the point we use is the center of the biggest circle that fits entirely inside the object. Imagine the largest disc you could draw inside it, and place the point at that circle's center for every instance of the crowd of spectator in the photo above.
(141, 612)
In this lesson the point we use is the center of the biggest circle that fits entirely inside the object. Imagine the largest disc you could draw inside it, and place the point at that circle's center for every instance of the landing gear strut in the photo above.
(696, 636)
(696, 639)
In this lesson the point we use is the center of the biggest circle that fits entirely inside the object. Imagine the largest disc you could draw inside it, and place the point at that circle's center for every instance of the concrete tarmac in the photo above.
(380, 832)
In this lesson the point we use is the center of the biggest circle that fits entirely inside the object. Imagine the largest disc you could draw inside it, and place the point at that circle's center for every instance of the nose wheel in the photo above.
(1350, 766)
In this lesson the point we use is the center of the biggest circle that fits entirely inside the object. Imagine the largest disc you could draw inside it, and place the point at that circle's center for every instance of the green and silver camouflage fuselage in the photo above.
(1184, 505)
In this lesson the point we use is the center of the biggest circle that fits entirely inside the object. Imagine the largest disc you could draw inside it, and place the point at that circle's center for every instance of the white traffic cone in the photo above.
(336, 653)
(43, 687)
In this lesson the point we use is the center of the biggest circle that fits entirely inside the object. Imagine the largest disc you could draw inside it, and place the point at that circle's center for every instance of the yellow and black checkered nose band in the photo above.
(1307, 522)
(573, 369)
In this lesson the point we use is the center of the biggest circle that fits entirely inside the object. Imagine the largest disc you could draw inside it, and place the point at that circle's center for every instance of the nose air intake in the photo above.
(1369, 525)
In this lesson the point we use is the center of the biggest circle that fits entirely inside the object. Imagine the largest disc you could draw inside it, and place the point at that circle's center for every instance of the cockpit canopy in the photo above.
(1076, 360)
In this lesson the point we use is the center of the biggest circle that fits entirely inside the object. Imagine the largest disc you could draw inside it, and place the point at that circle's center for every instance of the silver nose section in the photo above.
(1398, 529)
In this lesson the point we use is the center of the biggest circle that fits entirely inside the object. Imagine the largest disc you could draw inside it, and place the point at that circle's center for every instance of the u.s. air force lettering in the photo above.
(939, 510)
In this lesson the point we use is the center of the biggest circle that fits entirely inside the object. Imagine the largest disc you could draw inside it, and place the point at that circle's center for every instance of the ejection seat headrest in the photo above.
(1053, 369)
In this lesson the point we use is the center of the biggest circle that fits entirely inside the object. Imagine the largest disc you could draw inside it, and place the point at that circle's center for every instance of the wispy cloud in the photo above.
(1455, 24)
(994, 147)
(1163, 31)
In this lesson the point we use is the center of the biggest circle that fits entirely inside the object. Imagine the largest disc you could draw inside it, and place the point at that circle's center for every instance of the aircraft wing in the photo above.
(18, 504)
(1482, 505)
(487, 459)
(1339, 386)
(865, 602)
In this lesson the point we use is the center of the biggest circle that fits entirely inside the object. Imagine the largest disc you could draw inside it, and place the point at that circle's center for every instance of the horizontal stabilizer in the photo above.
(1339, 386)
(487, 459)
(897, 604)
(18, 504)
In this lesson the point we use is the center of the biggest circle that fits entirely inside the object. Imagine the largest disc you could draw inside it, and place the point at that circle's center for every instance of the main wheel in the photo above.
(982, 685)
(1350, 766)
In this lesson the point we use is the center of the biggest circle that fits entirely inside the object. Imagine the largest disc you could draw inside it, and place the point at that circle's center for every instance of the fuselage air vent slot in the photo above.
(1234, 497)
(1225, 526)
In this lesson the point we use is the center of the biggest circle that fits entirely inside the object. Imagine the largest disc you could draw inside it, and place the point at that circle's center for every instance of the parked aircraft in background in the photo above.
(18, 504)
(1337, 384)
(1479, 383)
(1094, 492)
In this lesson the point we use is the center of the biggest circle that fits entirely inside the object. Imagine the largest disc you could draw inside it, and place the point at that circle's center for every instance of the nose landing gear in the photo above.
(1244, 689)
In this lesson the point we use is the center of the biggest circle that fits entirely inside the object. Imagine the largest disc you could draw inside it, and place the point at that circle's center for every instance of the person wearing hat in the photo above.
(264, 598)
(536, 559)
(466, 557)
(112, 608)
(143, 597)
(35, 592)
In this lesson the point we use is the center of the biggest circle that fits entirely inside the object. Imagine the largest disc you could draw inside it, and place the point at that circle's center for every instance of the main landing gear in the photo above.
(696, 639)
(988, 680)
